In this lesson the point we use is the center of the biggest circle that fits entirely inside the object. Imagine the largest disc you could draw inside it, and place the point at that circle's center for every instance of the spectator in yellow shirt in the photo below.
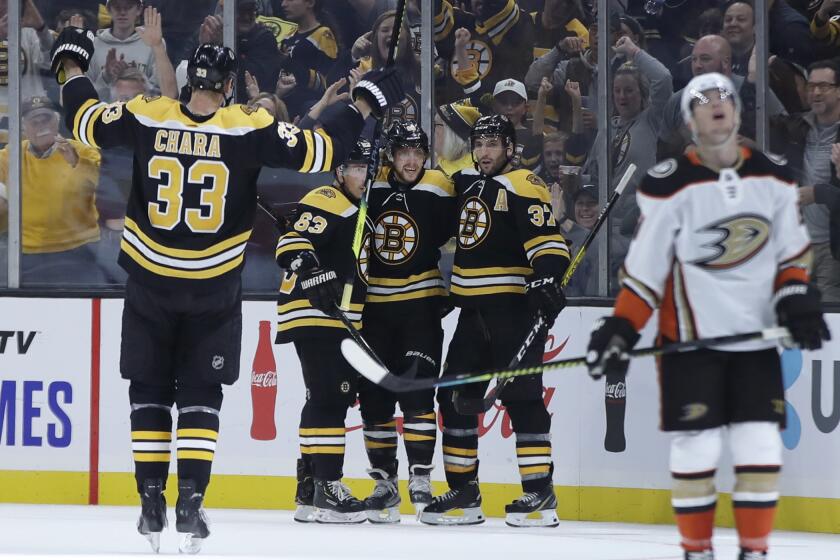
(60, 227)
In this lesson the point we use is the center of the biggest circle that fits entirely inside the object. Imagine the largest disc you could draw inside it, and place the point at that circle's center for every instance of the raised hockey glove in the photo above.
(320, 285)
(545, 296)
(381, 88)
(611, 339)
(72, 43)
(798, 307)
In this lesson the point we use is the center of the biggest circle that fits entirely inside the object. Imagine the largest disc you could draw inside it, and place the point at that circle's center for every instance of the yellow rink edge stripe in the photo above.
(587, 503)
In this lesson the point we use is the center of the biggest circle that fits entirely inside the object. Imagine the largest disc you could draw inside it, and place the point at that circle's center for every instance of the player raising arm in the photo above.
(720, 244)
(190, 214)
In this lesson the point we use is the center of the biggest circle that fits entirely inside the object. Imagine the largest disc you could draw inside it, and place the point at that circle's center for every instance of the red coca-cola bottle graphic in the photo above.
(264, 387)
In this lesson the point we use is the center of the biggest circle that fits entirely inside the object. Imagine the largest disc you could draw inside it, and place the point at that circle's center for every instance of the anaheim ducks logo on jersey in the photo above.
(481, 54)
(395, 237)
(474, 223)
(739, 239)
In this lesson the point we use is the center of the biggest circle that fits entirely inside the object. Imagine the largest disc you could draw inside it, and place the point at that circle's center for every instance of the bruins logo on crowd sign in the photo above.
(481, 54)
(395, 237)
(739, 239)
(474, 223)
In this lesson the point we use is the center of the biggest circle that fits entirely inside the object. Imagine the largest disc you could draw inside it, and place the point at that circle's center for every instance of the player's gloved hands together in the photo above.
(798, 307)
(320, 285)
(72, 43)
(611, 339)
(545, 296)
(380, 88)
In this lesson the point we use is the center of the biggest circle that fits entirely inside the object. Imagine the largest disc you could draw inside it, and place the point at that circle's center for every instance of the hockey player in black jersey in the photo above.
(509, 264)
(316, 253)
(189, 216)
(410, 208)
(720, 244)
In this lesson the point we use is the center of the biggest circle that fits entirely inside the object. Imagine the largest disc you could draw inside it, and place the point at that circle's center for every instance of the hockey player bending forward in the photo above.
(719, 246)
(509, 263)
(317, 255)
(411, 208)
(190, 214)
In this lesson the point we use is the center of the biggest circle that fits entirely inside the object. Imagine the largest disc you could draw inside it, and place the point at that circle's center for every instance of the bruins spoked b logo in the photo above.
(474, 223)
(395, 237)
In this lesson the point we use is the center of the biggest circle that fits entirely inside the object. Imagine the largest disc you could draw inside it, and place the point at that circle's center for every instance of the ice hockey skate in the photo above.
(335, 504)
(533, 509)
(305, 510)
(152, 512)
(752, 555)
(191, 519)
(383, 505)
(419, 490)
(460, 506)
(699, 555)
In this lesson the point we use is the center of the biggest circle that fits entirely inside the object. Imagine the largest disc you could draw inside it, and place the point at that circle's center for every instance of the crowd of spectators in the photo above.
(535, 61)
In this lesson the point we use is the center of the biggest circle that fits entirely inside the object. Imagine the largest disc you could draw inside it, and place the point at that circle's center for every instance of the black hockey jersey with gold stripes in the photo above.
(409, 227)
(193, 197)
(506, 231)
(325, 220)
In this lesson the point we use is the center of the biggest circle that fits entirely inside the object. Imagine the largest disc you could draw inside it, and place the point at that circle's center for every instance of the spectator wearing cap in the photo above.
(711, 53)
(59, 216)
(120, 46)
(453, 123)
(511, 100)
(808, 141)
(256, 46)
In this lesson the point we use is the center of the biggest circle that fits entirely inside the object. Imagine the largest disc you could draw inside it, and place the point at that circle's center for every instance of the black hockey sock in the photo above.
(531, 423)
(322, 439)
(198, 430)
(460, 442)
(419, 435)
(381, 445)
(151, 431)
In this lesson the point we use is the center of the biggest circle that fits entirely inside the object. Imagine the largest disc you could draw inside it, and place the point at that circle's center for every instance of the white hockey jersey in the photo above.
(711, 248)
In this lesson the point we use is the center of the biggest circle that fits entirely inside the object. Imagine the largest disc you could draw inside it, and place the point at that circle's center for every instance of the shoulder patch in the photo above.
(329, 199)
(150, 98)
(329, 193)
(525, 184)
(248, 109)
(535, 180)
(663, 168)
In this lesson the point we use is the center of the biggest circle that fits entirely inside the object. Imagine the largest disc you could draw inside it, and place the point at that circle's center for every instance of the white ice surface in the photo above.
(108, 532)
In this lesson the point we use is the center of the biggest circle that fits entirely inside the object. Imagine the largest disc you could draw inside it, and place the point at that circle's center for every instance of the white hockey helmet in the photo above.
(705, 82)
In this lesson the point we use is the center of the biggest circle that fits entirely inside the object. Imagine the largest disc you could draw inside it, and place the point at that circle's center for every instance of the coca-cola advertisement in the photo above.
(264, 387)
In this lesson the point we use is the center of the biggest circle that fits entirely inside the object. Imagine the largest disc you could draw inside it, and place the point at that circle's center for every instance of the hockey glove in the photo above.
(798, 308)
(72, 43)
(320, 286)
(609, 342)
(545, 296)
(381, 88)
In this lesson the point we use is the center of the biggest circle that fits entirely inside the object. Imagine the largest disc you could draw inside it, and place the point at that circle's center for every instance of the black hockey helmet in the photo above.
(361, 152)
(494, 125)
(406, 134)
(210, 66)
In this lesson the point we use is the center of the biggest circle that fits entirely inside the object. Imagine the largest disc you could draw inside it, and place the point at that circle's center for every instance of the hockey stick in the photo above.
(371, 370)
(467, 406)
(373, 164)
